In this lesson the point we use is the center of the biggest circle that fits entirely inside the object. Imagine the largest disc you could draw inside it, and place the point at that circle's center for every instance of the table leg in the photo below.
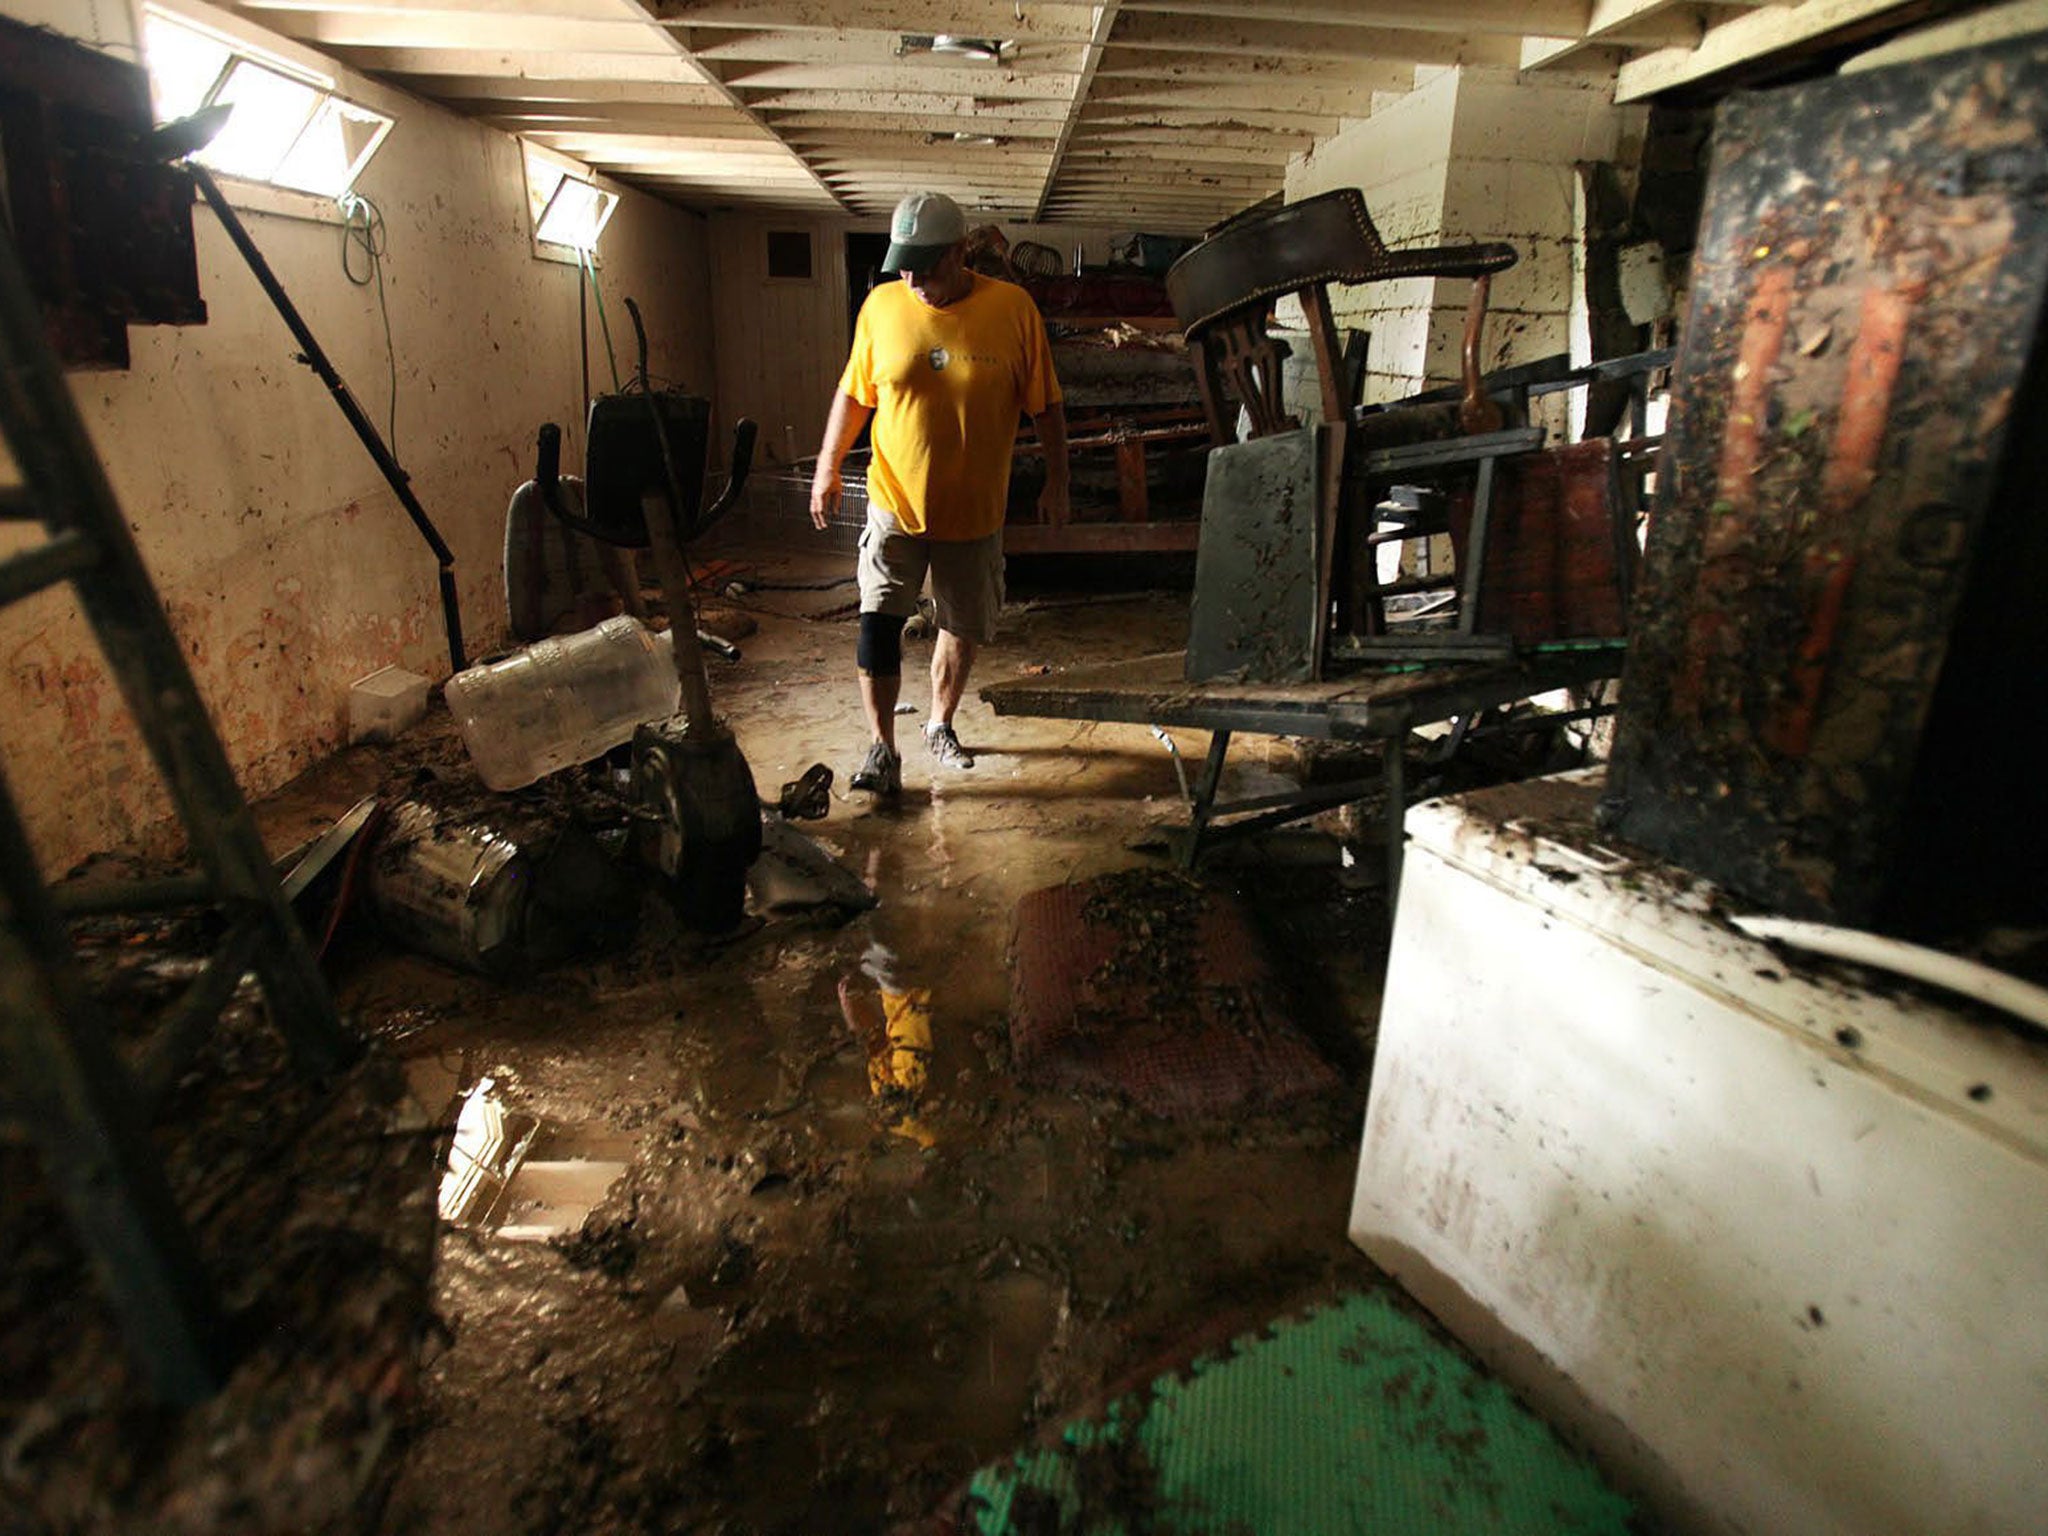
(1205, 794)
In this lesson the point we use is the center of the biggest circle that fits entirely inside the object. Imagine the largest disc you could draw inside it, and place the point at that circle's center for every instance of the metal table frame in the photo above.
(1382, 707)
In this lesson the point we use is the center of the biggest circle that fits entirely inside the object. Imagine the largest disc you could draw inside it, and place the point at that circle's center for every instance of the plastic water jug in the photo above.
(562, 701)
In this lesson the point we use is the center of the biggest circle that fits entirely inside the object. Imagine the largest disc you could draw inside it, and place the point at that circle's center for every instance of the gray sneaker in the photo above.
(880, 772)
(946, 746)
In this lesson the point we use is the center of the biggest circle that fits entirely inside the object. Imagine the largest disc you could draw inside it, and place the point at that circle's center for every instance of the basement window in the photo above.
(789, 254)
(287, 128)
(569, 208)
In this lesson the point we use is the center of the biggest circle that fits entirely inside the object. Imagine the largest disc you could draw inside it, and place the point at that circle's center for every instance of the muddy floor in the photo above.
(739, 1283)
(710, 1259)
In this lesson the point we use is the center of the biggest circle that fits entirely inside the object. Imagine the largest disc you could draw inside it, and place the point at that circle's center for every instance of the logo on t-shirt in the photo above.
(938, 357)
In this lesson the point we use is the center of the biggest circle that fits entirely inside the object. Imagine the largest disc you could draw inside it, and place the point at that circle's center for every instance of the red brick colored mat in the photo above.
(1145, 984)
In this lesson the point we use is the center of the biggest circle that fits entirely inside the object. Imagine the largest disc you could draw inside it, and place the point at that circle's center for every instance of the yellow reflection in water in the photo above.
(897, 1036)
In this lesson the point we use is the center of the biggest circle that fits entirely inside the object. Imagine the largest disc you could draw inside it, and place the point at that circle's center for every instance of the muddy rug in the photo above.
(1357, 1418)
(1146, 984)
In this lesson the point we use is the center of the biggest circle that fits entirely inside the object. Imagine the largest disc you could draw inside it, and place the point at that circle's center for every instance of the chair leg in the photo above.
(1475, 549)
(1477, 411)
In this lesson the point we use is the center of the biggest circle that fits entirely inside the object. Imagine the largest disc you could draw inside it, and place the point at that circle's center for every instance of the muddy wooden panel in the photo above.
(1866, 293)
(1254, 616)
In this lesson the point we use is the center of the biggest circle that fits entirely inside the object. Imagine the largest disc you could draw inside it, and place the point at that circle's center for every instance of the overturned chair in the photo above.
(1295, 518)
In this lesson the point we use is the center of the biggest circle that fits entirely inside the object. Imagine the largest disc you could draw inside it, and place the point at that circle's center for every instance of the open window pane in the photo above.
(288, 128)
(575, 214)
(271, 111)
(542, 177)
(333, 149)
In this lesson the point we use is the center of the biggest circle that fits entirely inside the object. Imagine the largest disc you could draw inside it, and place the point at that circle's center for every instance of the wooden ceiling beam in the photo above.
(1552, 18)
(653, 68)
(808, 127)
(877, 49)
(963, 109)
(1230, 119)
(871, 141)
(776, 193)
(1621, 24)
(1237, 37)
(1102, 24)
(1251, 94)
(581, 10)
(1746, 37)
(464, 31)
(1041, 21)
(989, 85)
(636, 93)
(1274, 72)
(589, 146)
(709, 124)
(1213, 146)
(1178, 162)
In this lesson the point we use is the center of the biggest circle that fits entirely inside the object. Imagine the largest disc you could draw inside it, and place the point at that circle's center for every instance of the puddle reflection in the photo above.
(508, 1174)
(489, 1146)
(893, 1022)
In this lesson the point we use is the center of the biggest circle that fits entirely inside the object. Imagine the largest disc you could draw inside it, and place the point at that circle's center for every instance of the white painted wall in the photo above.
(780, 342)
(286, 565)
(1400, 159)
(1514, 144)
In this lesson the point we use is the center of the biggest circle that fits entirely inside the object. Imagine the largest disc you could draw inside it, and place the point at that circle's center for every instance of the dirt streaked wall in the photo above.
(287, 566)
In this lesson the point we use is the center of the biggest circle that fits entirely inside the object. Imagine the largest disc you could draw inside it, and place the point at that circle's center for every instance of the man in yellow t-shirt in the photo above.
(944, 363)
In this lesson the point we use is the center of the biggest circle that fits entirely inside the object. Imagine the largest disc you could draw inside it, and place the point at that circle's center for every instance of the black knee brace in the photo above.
(881, 645)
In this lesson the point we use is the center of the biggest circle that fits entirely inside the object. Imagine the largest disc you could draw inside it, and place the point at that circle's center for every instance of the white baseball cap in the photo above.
(924, 227)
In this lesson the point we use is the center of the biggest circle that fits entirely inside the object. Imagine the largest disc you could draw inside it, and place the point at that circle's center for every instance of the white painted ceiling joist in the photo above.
(1176, 112)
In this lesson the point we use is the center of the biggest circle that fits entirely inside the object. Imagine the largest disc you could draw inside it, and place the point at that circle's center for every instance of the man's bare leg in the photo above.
(952, 660)
(878, 698)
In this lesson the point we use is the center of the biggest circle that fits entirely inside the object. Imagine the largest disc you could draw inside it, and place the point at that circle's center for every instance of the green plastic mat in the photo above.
(1354, 1419)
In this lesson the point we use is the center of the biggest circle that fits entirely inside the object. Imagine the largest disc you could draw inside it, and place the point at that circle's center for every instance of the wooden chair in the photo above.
(1222, 292)
(1224, 288)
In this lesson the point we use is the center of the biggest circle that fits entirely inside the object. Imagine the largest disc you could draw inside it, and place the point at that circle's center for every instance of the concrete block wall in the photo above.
(1400, 158)
(1472, 154)
(1514, 146)
(286, 565)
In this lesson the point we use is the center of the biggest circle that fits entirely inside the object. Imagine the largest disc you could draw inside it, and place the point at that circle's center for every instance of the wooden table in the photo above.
(1380, 706)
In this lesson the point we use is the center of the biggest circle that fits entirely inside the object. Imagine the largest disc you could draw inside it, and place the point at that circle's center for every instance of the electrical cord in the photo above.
(362, 228)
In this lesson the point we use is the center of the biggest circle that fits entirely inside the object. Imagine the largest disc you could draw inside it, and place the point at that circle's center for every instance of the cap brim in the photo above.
(914, 258)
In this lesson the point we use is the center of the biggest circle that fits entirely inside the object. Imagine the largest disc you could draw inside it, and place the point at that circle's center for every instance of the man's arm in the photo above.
(1051, 426)
(842, 426)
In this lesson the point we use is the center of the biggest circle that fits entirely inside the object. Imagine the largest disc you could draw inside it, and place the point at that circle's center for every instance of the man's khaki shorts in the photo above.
(966, 576)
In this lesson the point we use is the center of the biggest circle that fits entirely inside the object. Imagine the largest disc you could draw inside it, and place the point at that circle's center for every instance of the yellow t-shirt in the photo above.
(946, 386)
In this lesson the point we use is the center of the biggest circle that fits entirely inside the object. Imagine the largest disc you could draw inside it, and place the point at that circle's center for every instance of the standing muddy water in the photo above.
(766, 1235)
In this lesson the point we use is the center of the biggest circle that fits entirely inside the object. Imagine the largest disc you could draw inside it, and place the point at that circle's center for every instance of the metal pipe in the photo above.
(663, 540)
(372, 439)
